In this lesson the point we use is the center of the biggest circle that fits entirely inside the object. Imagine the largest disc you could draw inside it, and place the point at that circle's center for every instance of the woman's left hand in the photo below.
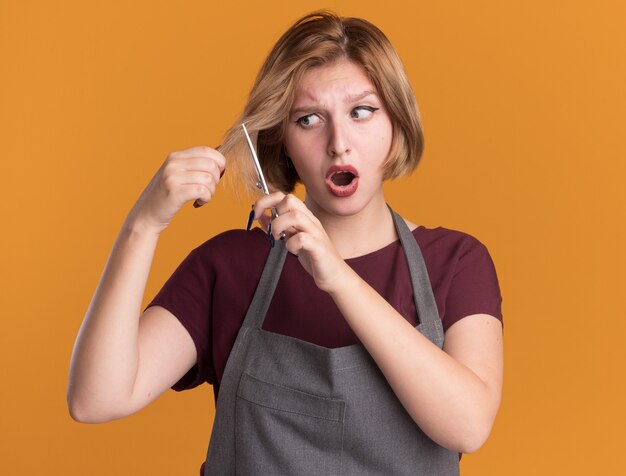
(305, 237)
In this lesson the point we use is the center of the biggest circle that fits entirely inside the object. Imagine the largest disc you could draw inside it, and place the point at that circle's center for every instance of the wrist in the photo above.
(345, 283)
(139, 228)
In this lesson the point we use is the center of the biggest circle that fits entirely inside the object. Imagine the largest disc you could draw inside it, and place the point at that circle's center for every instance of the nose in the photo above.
(338, 141)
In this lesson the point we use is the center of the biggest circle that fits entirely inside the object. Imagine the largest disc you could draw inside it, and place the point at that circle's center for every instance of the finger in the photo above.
(204, 178)
(198, 158)
(206, 181)
(294, 221)
(267, 202)
(209, 177)
(280, 202)
(289, 203)
(264, 220)
(298, 218)
(198, 151)
(200, 193)
(300, 243)
(200, 164)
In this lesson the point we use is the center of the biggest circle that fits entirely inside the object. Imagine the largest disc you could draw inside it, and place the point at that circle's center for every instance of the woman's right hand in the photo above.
(189, 174)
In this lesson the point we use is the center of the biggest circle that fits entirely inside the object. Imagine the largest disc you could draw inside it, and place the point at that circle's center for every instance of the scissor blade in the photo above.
(257, 164)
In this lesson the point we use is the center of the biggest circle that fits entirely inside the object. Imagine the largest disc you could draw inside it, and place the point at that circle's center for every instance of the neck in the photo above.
(355, 235)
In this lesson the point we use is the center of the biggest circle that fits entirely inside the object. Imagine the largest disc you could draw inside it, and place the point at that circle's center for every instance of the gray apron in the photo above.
(290, 407)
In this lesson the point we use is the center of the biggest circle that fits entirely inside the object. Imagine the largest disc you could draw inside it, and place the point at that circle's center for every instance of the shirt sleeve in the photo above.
(187, 295)
(474, 288)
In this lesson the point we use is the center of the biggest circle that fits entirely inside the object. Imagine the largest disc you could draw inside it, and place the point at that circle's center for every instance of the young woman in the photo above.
(347, 340)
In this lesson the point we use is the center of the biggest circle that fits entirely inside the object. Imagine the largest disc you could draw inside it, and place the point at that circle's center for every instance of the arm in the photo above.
(122, 362)
(452, 394)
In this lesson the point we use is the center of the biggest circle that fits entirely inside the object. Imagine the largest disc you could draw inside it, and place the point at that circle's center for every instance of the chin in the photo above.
(344, 206)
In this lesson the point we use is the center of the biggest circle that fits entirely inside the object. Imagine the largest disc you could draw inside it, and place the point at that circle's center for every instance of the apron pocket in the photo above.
(280, 430)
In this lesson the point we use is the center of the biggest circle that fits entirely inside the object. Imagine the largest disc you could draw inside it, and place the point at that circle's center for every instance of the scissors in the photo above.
(261, 183)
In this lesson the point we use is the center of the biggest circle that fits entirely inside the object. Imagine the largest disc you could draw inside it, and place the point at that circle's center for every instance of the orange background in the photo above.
(523, 105)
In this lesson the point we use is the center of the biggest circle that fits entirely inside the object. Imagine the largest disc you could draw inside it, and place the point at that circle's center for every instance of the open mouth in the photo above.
(342, 180)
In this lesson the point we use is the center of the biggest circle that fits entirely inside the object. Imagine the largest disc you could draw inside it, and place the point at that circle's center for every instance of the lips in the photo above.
(342, 180)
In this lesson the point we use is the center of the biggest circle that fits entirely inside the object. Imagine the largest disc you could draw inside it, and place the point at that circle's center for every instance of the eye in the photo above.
(308, 121)
(363, 112)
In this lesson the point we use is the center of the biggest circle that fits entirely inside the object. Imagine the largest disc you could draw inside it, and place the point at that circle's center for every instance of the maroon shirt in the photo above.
(212, 288)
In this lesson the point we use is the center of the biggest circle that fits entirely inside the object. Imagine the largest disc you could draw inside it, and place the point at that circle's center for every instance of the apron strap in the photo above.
(267, 284)
(425, 303)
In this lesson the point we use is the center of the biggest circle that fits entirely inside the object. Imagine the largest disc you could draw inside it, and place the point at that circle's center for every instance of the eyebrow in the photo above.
(358, 97)
(350, 98)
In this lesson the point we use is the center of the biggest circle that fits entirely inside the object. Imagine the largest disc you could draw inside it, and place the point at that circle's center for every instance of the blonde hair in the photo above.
(318, 39)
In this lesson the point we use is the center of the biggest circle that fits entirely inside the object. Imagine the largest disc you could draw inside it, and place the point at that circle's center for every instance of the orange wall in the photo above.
(523, 106)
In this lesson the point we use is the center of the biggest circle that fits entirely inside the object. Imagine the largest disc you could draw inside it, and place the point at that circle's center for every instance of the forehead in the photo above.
(340, 78)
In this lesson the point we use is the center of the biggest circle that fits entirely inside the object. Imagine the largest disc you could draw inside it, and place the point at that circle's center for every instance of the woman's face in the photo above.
(338, 136)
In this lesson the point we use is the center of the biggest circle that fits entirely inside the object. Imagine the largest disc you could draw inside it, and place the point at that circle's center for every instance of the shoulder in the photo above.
(455, 257)
(462, 273)
(234, 238)
(232, 244)
(230, 258)
(447, 241)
